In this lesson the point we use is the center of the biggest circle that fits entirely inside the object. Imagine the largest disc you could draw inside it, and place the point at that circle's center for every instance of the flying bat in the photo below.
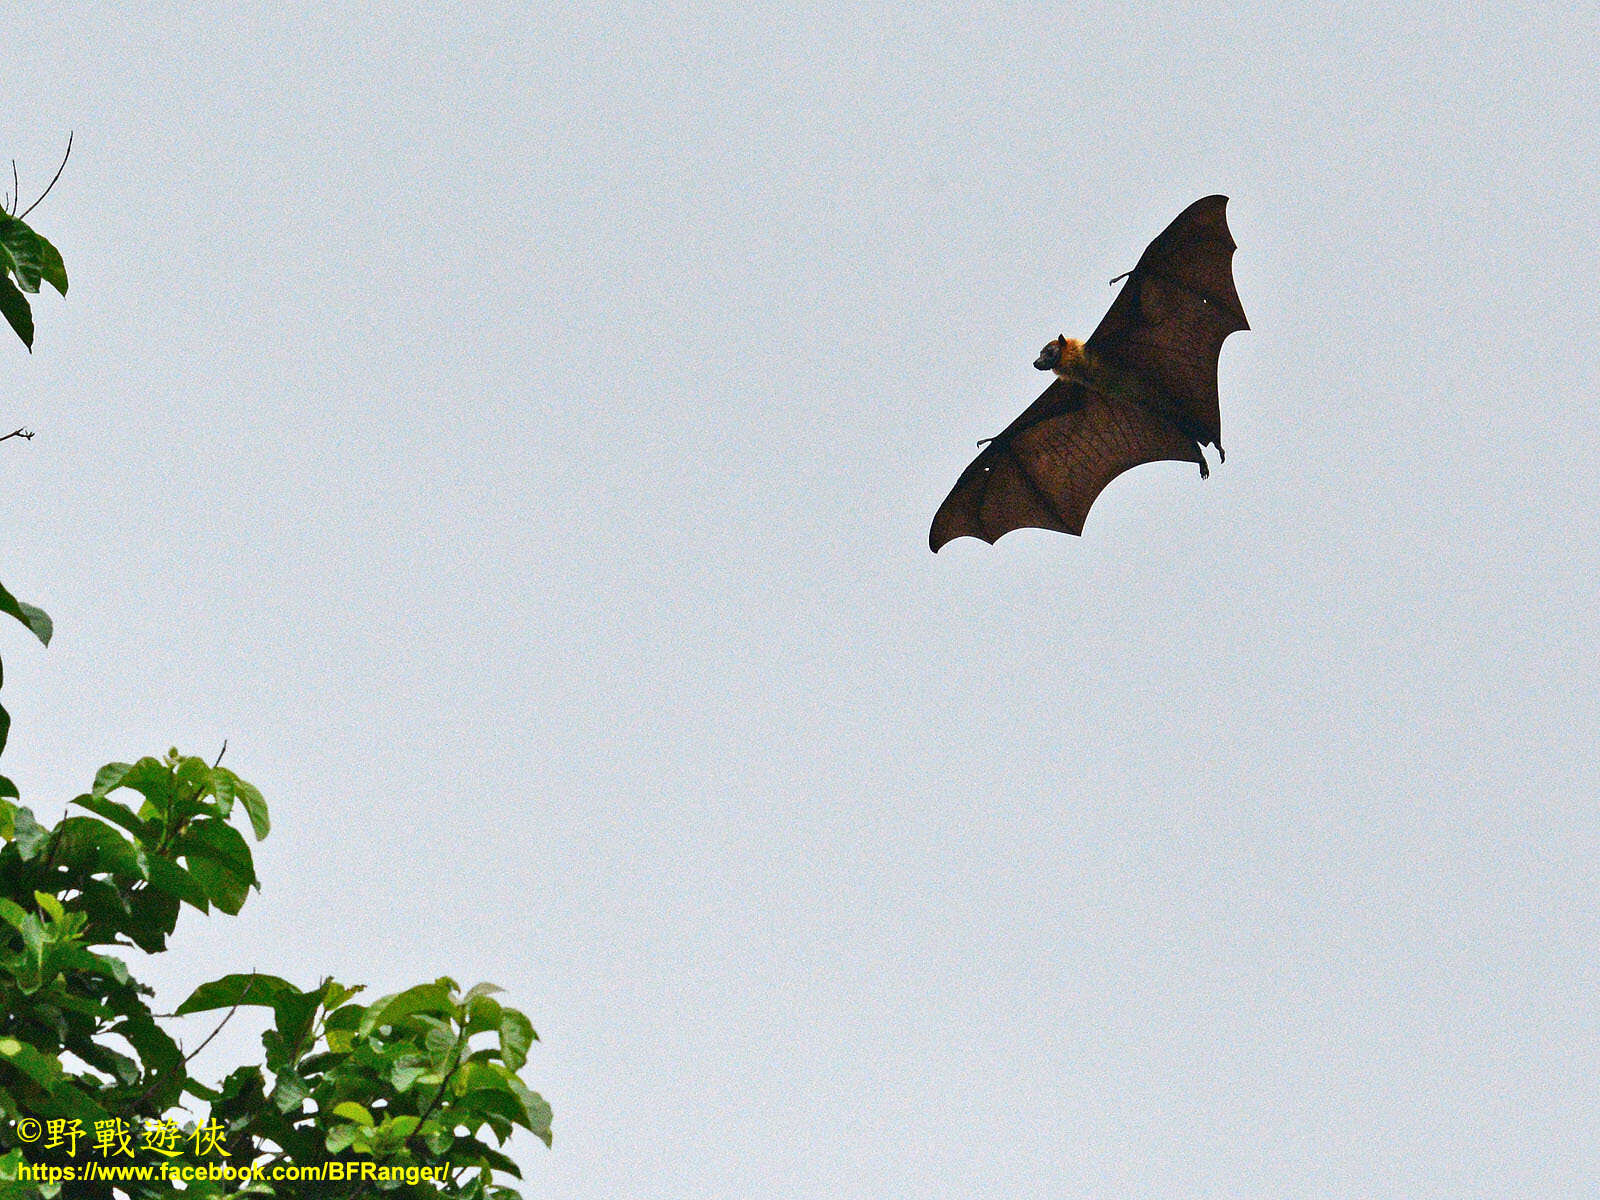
(1142, 389)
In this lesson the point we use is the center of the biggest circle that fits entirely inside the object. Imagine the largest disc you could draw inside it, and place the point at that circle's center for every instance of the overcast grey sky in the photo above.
(515, 429)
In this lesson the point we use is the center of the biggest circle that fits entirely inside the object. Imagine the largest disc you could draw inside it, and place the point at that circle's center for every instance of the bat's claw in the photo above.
(1205, 471)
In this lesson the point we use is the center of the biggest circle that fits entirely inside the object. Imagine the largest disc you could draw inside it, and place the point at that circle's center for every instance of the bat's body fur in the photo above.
(1075, 364)
(1071, 361)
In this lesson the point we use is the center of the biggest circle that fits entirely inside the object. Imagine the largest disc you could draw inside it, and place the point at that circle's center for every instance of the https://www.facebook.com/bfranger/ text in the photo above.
(110, 1151)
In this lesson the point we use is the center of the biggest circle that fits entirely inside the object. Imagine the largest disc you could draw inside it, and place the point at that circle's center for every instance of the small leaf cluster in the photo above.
(427, 1077)
(26, 261)
(417, 1078)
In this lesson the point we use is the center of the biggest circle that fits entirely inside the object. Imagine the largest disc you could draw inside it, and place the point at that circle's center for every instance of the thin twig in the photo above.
(157, 1081)
(443, 1084)
(25, 434)
(243, 996)
(16, 188)
(49, 185)
(220, 753)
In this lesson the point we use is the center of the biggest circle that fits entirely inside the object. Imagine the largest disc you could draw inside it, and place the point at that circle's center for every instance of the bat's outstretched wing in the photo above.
(1168, 323)
(1047, 468)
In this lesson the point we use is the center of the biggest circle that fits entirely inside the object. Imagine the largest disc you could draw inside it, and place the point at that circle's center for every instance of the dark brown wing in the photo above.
(1047, 468)
(1168, 323)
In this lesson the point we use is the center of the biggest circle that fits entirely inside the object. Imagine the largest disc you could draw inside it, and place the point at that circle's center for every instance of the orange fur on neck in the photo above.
(1073, 364)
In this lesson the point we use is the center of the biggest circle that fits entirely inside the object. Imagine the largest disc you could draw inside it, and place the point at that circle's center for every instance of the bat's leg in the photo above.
(1205, 471)
(1222, 455)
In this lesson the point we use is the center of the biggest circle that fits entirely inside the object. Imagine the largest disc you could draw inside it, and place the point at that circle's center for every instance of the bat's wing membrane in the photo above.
(1168, 323)
(1045, 471)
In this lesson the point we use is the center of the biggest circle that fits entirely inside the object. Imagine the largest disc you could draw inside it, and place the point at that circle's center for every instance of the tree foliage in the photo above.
(412, 1094)
(26, 261)
(26, 258)
(428, 1077)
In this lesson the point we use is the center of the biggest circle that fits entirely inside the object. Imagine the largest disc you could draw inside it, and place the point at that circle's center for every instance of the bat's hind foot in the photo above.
(1205, 471)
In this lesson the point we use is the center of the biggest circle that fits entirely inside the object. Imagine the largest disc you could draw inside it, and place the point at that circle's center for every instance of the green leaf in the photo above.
(390, 1137)
(293, 1014)
(14, 306)
(168, 877)
(34, 618)
(403, 1075)
(229, 787)
(32, 259)
(431, 998)
(544, 1132)
(29, 837)
(342, 1137)
(247, 1083)
(471, 1153)
(401, 1127)
(152, 914)
(335, 994)
(516, 1036)
(290, 1092)
(200, 1091)
(154, 1044)
(292, 1008)
(222, 788)
(191, 778)
(438, 1139)
(51, 269)
(150, 777)
(218, 857)
(442, 1045)
(109, 777)
(43, 1069)
(255, 806)
(253, 991)
(102, 1058)
(538, 1112)
(49, 905)
(21, 245)
(38, 621)
(94, 847)
(351, 1111)
(483, 1014)
(496, 1093)
(117, 814)
(80, 959)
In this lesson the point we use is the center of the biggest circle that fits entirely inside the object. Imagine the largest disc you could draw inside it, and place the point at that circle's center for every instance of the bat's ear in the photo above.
(1062, 338)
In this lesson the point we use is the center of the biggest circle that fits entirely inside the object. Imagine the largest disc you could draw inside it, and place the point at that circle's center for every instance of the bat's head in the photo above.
(1060, 355)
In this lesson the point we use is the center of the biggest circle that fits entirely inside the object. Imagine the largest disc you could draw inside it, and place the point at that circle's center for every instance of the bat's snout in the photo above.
(1047, 361)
